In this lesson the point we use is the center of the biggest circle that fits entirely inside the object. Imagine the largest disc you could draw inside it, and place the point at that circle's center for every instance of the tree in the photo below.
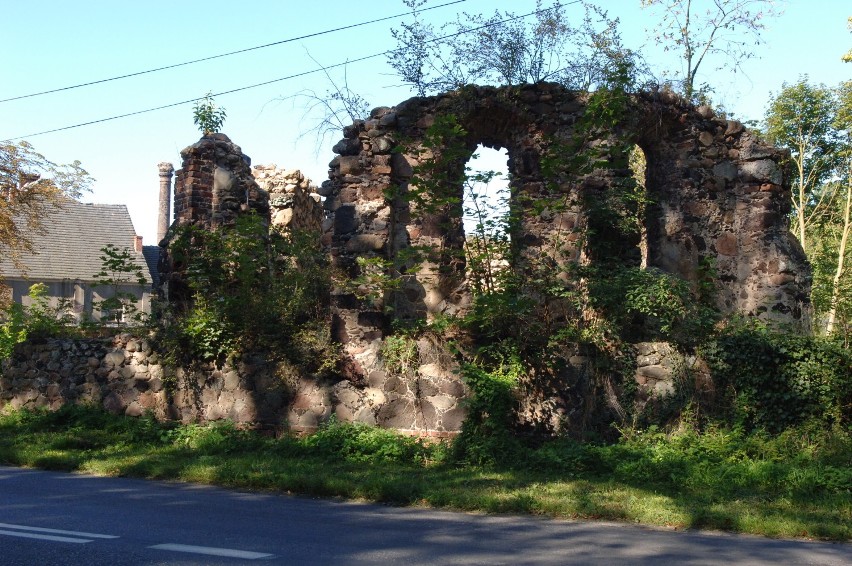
(332, 108)
(30, 186)
(815, 123)
(800, 118)
(118, 271)
(207, 115)
(840, 283)
(507, 49)
(727, 30)
(847, 57)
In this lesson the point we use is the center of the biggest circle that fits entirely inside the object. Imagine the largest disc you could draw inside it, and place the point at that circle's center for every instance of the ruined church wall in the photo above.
(719, 199)
(721, 196)
(718, 214)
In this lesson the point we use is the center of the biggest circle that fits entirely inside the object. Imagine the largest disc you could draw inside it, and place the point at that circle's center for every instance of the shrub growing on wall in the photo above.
(38, 321)
(251, 290)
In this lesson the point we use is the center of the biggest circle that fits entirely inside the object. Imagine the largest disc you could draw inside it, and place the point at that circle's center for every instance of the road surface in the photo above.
(50, 518)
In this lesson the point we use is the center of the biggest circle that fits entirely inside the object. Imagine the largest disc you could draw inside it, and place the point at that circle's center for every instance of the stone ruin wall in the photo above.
(215, 184)
(125, 375)
(717, 192)
(293, 199)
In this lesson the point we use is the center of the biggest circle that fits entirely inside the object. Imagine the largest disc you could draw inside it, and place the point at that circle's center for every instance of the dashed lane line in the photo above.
(41, 533)
(53, 538)
(212, 551)
(54, 535)
(53, 531)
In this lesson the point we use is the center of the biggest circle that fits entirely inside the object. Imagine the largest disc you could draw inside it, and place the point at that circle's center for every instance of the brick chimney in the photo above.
(137, 244)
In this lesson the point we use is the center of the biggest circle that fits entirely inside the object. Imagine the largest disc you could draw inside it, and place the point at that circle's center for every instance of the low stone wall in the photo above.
(659, 366)
(425, 399)
(126, 376)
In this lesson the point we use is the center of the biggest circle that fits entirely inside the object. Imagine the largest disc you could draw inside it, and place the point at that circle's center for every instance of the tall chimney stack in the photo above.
(166, 172)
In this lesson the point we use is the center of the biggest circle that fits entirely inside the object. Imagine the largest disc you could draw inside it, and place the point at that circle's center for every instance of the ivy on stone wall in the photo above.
(772, 380)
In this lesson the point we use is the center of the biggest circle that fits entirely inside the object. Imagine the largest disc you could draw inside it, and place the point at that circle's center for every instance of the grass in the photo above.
(797, 484)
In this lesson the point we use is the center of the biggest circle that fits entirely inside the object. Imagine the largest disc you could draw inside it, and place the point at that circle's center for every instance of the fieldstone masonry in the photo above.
(126, 376)
(293, 199)
(717, 194)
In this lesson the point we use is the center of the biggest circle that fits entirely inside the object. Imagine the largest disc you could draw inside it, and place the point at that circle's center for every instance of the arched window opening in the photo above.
(486, 218)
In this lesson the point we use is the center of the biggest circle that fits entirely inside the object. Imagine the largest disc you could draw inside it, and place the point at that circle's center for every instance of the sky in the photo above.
(52, 44)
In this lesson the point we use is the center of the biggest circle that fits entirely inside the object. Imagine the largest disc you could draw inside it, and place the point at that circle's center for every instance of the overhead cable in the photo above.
(288, 77)
(228, 54)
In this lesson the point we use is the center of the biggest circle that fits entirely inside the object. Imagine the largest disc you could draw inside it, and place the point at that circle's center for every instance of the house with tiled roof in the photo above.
(67, 258)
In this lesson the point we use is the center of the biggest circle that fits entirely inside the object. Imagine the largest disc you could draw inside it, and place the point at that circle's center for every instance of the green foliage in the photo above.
(358, 442)
(800, 117)
(643, 304)
(37, 322)
(207, 116)
(487, 436)
(377, 277)
(13, 329)
(505, 49)
(220, 437)
(119, 268)
(207, 332)
(399, 354)
(250, 290)
(774, 380)
(792, 484)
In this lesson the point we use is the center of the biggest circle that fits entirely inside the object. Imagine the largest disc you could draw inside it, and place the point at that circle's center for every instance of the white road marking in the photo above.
(212, 551)
(53, 531)
(44, 537)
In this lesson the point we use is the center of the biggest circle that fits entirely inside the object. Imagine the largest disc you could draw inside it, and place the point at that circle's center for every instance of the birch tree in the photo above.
(843, 122)
(800, 118)
(726, 31)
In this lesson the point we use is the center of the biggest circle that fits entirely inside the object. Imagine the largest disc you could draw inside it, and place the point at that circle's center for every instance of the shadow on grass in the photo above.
(687, 486)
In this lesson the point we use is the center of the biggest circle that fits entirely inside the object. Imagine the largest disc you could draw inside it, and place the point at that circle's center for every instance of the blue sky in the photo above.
(52, 44)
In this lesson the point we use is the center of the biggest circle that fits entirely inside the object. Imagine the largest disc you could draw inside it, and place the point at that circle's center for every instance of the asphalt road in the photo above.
(49, 518)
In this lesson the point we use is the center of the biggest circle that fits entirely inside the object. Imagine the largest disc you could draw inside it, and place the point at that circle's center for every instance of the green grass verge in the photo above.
(797, 484)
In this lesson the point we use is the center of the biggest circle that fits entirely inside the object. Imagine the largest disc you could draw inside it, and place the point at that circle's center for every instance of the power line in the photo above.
(228, 54)
(303, 73)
